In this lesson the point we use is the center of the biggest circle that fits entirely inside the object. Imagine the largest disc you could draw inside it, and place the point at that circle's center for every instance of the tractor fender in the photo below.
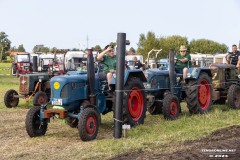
(194, 72)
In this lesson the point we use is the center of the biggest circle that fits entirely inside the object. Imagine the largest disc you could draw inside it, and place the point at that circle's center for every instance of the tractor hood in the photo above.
(156, 72)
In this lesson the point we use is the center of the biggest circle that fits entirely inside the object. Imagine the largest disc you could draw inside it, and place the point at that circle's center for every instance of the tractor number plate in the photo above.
(57, 102)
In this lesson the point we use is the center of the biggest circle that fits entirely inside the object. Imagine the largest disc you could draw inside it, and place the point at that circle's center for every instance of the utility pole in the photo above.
(87, 41)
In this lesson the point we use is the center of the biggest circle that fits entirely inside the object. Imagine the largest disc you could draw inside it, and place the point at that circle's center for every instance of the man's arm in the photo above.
(238, 63)
(100, 56)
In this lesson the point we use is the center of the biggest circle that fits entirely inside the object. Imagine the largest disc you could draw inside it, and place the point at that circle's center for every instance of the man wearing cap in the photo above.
(183, 62)
(109, 61)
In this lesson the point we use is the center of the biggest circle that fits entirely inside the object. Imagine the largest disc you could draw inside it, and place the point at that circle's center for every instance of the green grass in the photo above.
(62, 141)
(5, 68)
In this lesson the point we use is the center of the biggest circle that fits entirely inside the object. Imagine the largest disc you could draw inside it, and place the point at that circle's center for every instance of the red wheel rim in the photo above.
(91, 124)
(173, 108)
(135, 103)
(204, 94)
(41, 99)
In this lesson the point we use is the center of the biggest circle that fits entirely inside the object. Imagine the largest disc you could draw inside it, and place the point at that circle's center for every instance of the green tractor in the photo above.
(226, 84)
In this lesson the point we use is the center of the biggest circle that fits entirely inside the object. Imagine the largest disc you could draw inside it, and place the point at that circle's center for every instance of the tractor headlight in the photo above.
(56, 85)
(189, 75)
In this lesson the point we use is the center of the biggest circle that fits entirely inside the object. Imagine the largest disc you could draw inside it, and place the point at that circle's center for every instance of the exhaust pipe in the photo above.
(172, 74)
(91, 76)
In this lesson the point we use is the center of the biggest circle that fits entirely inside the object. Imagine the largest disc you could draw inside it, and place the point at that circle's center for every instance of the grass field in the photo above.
(63, 142)
(5, 68)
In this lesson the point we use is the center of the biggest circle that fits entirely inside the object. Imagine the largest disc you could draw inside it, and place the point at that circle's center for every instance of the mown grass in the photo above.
(5, 68)
(63, 142)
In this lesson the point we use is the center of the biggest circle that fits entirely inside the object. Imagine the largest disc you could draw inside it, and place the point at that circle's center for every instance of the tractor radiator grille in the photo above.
(23, 85)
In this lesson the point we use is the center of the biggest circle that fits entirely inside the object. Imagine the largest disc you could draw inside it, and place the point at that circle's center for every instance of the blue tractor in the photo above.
(165, 90)
(81, 96)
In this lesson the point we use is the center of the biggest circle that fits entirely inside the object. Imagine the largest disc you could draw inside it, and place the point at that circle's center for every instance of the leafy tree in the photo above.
(97, 48)
(132, 50)
(147, 43)
(53, 50)
(5, 44)
(206, 46)
(75, 49)
(37, 48)
(21, 48)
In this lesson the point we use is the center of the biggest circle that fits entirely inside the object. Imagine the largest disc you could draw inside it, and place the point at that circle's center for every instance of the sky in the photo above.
(67, 24)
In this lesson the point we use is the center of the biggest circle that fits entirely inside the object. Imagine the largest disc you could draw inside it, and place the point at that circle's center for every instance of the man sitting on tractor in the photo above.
(183, 62)
(109, 60)
(233, 57)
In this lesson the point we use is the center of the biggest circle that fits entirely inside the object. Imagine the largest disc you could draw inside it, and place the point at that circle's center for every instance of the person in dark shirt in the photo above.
(233, 57)
(137, 64)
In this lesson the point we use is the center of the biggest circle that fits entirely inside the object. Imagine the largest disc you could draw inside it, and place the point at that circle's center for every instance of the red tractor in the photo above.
(21, 64)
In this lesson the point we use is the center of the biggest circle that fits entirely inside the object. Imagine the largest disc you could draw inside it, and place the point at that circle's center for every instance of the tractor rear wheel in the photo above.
(199, 94)
(134, 102)
(9, 99)
(34, 126)
(40, 98)
(233, 96)
(171, 107)
(88, 124)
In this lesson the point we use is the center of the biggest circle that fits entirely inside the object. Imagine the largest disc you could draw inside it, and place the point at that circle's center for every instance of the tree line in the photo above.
(204, 46)
(144, 45)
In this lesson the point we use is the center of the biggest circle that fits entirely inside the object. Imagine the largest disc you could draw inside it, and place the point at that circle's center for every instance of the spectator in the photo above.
(137, 64)
(108, 58)
(183, 61)
(233, 57)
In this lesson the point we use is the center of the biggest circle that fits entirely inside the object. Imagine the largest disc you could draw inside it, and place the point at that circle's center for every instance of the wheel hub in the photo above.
(202, 94)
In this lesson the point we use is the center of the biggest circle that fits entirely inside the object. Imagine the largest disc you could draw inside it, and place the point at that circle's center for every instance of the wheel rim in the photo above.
(12, 100)
(41, 99)
(135, 103)
(204, 94)
(91, 124)
(173, 108)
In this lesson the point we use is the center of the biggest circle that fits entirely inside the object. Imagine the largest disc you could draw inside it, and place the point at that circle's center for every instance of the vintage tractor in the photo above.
(21, 64)
(226, 84)
(30, 85)
(33, 85)
(82, 95)
(165, 89)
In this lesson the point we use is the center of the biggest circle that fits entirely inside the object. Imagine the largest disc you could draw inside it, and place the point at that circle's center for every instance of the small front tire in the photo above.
(34, 126)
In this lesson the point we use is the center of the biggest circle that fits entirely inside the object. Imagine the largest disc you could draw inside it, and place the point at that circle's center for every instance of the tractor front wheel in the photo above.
(199, 94)
(233, 96)
(40, 98)
(34, 126)
(134, 102)
(88, 124)
(171, 107)
(11, 99)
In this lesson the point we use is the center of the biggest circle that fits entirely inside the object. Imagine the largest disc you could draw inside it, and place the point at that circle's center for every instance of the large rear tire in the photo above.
(134, 102)
(88, 124)
(34, 126)
(233, 97)
(171, 107)
(40, 98)
(9, 99)
(199, 94)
